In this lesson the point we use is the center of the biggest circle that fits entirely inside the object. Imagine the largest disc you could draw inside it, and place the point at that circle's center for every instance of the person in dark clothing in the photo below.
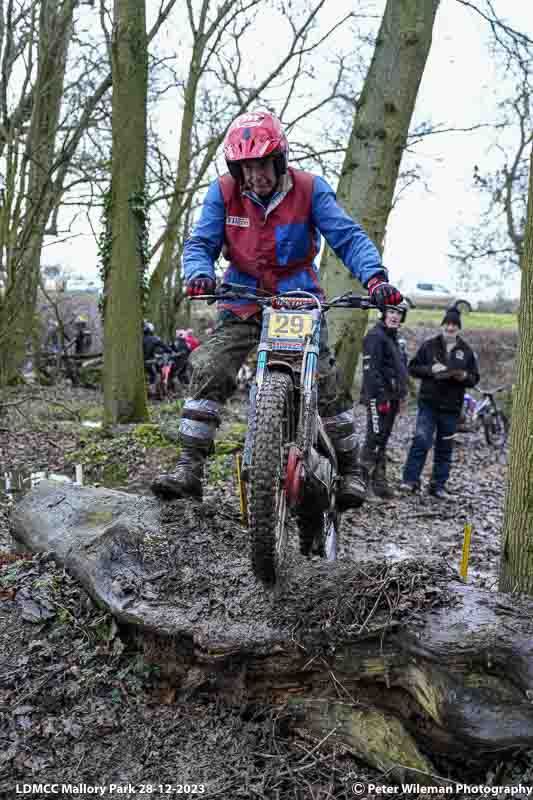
(447, 366)
(152, 345)
(384, 388)
(83, 337)
(181, 368)
(53, 337)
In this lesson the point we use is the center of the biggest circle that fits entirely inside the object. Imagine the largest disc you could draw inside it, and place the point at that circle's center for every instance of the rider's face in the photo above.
(260, 175)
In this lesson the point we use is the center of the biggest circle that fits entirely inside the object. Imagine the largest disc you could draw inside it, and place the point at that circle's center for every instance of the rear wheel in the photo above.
(496, 427)
(161, 388)
(267, 502)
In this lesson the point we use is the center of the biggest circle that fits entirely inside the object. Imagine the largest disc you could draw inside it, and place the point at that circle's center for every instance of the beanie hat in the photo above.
(452, 315)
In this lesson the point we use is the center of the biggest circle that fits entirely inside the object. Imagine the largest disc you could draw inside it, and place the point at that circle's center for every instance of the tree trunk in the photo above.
(400, 663)
(24, 260)
(517, 556)
(124, 383)
(374, 153)
(167, 260)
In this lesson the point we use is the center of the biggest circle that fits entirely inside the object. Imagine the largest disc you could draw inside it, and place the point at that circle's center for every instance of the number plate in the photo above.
(289, 326)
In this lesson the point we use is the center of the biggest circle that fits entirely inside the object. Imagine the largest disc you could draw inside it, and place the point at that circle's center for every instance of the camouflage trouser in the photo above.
(214, 378)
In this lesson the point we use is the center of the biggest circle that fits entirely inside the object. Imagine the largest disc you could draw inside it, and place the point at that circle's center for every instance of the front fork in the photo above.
(302, 454)
(252, 403)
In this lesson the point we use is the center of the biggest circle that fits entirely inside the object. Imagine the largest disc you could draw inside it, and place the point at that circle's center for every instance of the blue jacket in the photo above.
(284, 231)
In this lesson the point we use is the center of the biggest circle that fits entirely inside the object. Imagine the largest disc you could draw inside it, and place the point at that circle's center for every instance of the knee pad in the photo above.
(199, 422)
(341, 430)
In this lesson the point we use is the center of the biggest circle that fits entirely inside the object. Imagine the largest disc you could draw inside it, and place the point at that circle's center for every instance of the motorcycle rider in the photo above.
(384, 389)
(152, 345)
(268, 217)
(182, 351)
(191, 340)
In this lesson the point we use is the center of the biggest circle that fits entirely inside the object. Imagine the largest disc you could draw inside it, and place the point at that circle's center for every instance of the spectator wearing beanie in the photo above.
(446, 365)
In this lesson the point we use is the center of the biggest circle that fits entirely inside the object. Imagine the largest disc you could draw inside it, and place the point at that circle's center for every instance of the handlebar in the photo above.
(490, 392)
(288, 300)
(161, 358)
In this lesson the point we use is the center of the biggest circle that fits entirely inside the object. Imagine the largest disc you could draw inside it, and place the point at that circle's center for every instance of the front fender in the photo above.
(284, 366)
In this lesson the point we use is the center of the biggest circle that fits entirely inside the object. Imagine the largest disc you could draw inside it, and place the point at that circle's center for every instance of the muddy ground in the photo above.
(78, 705)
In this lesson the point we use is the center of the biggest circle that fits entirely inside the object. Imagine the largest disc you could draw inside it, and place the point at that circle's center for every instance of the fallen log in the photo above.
(399, 663)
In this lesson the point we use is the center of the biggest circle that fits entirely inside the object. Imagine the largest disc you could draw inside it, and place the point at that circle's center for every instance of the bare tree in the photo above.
(516, 572)
(377, 142)
(124, 383)
(49, 27)
(45, 136)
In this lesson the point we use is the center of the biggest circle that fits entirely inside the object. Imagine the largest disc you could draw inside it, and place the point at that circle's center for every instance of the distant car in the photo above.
(435, 295)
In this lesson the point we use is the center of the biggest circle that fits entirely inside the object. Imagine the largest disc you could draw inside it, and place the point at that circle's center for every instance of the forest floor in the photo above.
(79, 707)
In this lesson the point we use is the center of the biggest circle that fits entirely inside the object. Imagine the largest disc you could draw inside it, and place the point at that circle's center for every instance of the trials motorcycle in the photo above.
(289, 463)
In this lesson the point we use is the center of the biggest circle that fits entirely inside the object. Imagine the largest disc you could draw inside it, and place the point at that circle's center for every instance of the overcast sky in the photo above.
(459, 89)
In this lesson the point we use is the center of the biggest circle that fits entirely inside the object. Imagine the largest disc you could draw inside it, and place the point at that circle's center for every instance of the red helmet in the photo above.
(255, 135)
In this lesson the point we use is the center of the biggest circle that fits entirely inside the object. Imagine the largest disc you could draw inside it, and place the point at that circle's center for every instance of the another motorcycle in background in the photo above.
(171, 374)
(485, 412)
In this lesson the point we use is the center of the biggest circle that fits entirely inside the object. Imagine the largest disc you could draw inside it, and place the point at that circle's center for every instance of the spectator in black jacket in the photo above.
(384, 388)
(152, 345)
(447, 366)
(83, 338)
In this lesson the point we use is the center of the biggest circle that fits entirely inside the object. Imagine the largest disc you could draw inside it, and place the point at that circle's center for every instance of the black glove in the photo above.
(383, 293)
(197, 287)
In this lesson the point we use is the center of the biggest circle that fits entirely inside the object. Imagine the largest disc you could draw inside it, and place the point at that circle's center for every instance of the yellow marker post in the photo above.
(463, 571)
(242, 493)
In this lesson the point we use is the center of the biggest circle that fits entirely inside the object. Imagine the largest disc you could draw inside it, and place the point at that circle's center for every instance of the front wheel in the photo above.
(496, 427)
(267, 501)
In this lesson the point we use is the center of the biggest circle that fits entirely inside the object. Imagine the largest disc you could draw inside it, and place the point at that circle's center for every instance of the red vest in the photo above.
(254, 241)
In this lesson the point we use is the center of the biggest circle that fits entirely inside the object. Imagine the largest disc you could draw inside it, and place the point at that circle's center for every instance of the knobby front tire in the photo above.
(267, 503)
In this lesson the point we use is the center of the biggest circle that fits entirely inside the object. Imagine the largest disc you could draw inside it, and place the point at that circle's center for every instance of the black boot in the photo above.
(354, 478)
(198, 424)
(185, 480)
(380, 486)
(354, 481)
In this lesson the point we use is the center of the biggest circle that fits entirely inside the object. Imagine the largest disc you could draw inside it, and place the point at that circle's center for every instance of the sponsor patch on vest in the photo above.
(241, 222)
(459, 354)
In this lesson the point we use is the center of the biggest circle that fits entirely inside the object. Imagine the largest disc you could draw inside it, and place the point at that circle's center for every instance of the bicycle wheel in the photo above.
(267, 504)
(496, 427)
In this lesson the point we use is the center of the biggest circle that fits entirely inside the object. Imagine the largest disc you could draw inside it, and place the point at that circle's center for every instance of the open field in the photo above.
(474, 320)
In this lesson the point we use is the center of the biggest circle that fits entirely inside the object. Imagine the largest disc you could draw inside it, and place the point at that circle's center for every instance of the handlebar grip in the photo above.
(354, 301)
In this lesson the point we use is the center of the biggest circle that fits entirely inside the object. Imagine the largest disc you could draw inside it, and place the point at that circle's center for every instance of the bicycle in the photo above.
(289, 463)
(486, 412)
